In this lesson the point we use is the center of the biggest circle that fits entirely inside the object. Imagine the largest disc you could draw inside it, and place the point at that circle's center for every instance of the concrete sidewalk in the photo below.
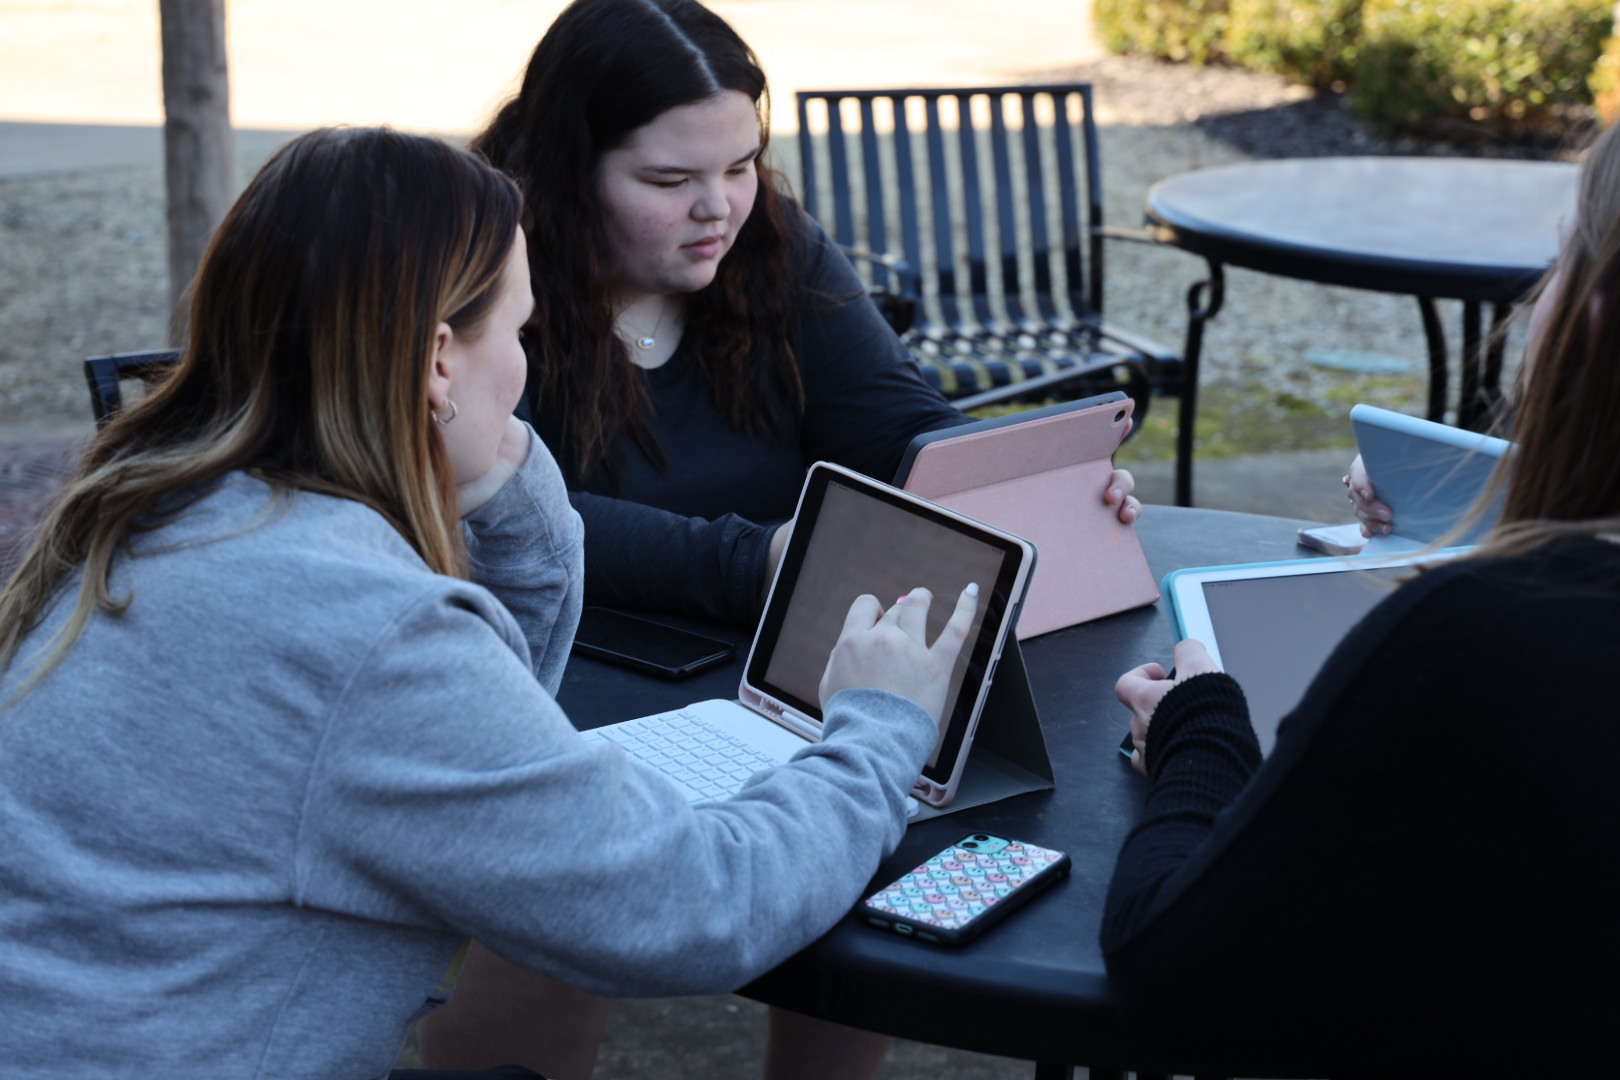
(428, 65)
(35, 148)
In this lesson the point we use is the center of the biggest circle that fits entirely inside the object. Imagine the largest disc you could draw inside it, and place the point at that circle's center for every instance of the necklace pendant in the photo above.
(645, 342)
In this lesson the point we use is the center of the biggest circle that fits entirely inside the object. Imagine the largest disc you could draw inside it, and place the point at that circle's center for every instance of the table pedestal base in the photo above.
(1481, 366)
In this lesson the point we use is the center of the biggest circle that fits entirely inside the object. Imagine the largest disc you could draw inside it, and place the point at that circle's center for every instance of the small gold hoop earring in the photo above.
(448, 405)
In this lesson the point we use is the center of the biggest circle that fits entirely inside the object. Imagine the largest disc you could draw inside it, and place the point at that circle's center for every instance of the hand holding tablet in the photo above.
(1048, 476)
(1142, 688)
(1272, 625)
(1426, 476)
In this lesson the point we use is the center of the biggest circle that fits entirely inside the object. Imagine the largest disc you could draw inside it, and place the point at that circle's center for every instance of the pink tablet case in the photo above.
(1044, 480)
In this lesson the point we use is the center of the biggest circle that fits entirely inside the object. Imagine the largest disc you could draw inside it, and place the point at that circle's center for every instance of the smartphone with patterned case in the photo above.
(964, 890)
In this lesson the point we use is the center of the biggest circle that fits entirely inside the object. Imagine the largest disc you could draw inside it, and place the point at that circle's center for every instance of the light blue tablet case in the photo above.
(1178, 625)
(1429, 474)
(1335, 564)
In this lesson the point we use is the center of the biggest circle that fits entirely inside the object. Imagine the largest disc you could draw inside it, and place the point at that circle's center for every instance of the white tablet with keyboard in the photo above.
(851, 535)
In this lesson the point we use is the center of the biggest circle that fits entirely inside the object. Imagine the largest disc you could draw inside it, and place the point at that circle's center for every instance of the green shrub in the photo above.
(1181, 30)
(1604, 82)
(1510, 65)
(1310, 41)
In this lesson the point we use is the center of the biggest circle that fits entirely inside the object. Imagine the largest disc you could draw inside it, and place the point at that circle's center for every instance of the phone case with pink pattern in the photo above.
(965, 889)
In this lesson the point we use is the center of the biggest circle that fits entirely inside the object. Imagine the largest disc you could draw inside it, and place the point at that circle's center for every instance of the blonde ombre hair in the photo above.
(312, 320)
(1564, 478)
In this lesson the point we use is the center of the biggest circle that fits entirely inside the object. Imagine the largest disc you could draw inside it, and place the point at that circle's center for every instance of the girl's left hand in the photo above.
(1120, 486)
(1142, 688)
(509, 458)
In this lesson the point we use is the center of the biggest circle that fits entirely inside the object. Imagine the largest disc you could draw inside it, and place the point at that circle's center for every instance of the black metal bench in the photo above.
(976, 217)
(106, 375)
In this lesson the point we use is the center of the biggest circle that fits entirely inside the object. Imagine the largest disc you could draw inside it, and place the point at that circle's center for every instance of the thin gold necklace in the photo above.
(649, 340)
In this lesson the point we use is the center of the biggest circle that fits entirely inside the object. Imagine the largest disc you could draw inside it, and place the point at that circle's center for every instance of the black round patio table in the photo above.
(1479, 231)
(1034, 987)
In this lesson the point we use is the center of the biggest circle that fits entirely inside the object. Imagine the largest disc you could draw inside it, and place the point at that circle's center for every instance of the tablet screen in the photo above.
(1273, 633)
(855, 536)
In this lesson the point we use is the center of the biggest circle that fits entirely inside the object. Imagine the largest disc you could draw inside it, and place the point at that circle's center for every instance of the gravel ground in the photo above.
(82, 267)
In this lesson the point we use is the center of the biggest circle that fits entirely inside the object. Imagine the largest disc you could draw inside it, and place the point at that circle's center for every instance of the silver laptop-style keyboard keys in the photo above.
(706, 762)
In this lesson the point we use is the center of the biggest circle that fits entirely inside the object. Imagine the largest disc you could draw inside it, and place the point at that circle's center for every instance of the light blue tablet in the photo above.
(1271, 625)
(1428, 474)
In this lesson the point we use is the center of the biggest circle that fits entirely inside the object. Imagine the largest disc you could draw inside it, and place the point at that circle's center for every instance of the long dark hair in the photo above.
(307, 360)
(1565, 476)
(604, 69)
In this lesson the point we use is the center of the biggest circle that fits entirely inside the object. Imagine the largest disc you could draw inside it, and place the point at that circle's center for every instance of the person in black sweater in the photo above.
(1422, 877)
(698, 340)
(709, 496)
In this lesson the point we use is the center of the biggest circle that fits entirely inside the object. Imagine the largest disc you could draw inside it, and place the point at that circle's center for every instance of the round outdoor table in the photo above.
(1479, 231)
(1034, 987)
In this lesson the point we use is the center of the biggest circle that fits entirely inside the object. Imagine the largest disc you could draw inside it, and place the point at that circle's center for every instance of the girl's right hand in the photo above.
(1375, 517)
(887, 650)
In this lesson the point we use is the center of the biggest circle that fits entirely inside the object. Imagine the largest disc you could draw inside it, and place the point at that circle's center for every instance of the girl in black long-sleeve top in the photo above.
(1423, 877)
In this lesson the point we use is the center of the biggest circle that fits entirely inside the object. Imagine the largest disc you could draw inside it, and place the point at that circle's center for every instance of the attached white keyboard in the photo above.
(704, 761)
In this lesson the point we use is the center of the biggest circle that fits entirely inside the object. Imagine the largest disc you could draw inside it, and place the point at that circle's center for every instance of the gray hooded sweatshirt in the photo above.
(249, 823)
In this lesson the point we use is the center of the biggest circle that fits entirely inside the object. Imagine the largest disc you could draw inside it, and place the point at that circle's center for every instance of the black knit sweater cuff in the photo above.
(1205, 708)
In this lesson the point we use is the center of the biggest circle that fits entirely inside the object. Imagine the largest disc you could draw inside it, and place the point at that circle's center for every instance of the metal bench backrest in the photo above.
(996, 217)
(105, 374)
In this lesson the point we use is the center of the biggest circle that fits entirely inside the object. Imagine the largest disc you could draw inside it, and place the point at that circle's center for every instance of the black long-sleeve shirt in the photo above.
(1425, 874)
(693, 537)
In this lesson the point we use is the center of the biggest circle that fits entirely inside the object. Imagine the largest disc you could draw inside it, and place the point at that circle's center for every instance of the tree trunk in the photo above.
(198, 153)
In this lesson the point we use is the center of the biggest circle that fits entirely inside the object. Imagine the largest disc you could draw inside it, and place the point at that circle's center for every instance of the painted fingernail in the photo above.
(901, 600)
(972, 589)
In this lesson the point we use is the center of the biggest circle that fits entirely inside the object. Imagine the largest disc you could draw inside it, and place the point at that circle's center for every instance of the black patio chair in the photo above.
(106, 375)
(975, 215)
